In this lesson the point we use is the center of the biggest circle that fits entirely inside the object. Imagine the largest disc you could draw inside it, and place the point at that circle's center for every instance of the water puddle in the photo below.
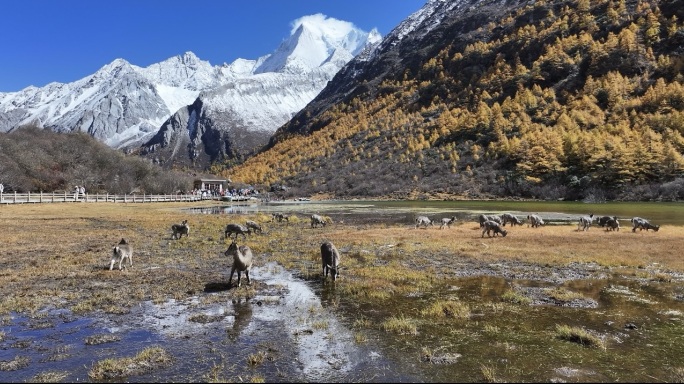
(286, 325)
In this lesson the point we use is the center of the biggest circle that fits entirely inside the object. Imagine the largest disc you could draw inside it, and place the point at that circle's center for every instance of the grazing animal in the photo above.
(535, 221)
(423, 221)
(446, 222)
(493, 226)
(495, 218)
(638, 222)
(585, 222)
(317, 220)
(121, 252)
(180, 229)
(254, 226)
(603, 220)
(279, 217)
(509, 218)
(242, 261)
(237, 229)
(612, 224)
(330, 258)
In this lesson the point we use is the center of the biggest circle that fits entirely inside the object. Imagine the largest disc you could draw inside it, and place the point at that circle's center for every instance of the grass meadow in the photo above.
(412, 280)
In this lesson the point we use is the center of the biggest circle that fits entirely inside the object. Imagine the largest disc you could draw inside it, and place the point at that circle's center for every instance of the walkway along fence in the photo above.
(22, 198)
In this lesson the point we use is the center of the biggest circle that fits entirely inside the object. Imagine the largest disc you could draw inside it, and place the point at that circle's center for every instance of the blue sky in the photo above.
(42, 41)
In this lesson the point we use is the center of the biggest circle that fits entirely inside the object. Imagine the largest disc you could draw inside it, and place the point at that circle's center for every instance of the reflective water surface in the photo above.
(405, 211)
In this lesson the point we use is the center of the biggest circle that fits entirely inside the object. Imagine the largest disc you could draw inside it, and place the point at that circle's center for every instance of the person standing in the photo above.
(76, 191)
(2, 189)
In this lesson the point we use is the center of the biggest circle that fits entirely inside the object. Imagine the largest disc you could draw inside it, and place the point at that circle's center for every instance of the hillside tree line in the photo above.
(38, 160)
(570, 99)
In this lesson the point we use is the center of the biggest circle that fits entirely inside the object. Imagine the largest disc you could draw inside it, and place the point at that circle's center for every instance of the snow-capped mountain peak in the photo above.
(312, 41)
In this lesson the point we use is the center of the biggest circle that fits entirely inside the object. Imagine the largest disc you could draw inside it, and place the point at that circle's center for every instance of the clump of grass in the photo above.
(430, 356)
(426, 354)
(662, 277)
(496, 307)
(21, 344)
(214, 375)
(368, 289)
(562, 294)
(447, 308)
(400, 325)
(17, 363)
(49, 377)
(361, 322)
(515, 297)
(255, 359)
(360, 338)
(580, 336)
(489, 374)
(641, 274)
(243, 292)
(203, 318)
(82, 307)
(294, 219)
(491, 329)
(19, 304)
(262, 218)
(147, 359)
(2, 335)
(321, 324)
(117, 310)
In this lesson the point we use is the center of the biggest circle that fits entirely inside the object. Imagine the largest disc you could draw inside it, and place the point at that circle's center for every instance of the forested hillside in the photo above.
(544, 99)
(34, 160)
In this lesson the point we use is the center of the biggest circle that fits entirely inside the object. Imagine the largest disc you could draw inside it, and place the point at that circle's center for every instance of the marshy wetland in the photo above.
(411, 305)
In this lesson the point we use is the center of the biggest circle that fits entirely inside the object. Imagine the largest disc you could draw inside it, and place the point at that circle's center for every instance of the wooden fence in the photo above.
(23, 198)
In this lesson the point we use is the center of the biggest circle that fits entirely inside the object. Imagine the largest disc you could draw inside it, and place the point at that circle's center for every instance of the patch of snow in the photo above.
(176, 98)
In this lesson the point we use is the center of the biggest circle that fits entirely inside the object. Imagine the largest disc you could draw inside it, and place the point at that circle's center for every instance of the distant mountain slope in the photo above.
(547, 99)
(39, 160)
(127, 106)
(236, 119)
(117, 104)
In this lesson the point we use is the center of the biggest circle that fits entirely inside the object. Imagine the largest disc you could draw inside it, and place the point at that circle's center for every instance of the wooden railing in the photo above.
(23, 198)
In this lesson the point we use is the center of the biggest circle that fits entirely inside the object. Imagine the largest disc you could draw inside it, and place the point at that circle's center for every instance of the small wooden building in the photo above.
(210, 184)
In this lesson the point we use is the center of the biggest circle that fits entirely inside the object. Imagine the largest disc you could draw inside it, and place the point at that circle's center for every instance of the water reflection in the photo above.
(324, 348)
(240, 209)
(298, 319)
(241, 319)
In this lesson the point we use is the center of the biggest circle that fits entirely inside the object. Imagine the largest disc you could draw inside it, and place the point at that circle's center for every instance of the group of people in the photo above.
(79, 191)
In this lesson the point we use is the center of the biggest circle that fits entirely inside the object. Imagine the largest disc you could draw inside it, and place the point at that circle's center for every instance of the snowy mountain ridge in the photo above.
(125, 105)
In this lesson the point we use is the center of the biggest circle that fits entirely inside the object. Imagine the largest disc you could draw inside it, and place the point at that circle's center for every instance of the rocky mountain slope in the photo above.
(553, 99)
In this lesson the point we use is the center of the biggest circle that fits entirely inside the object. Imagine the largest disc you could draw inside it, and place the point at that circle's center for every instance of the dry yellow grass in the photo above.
(557, 245)
(57, 255)
(147, 359)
